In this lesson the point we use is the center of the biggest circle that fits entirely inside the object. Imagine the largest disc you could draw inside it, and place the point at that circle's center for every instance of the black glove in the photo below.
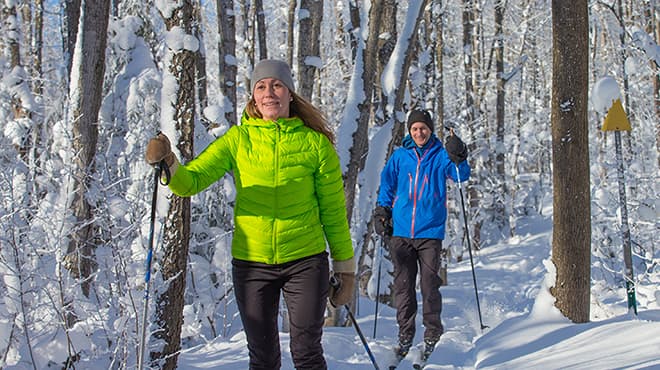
(383, 221)
(456, 149)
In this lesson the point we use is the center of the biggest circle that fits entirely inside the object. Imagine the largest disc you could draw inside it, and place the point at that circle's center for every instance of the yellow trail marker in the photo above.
(616, 119)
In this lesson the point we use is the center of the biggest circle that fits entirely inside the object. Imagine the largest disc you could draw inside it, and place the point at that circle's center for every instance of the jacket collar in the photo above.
(285, 124)
(409, 143)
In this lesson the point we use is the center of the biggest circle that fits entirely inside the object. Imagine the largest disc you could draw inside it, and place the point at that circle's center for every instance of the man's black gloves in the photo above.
(383, 221)
(456, 149)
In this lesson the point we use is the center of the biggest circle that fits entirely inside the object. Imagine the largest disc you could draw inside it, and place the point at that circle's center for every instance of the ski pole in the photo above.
(158, 168)
(467, 236)
(377, 286)
(334, 283)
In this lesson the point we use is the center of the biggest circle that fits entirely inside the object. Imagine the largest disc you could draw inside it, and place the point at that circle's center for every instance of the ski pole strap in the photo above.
(162, 166)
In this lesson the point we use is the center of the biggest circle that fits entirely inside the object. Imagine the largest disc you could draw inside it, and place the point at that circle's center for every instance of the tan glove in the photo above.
(342, 291)
(159, 149)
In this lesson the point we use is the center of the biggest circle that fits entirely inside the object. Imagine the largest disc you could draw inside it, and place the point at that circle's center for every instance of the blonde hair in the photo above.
(311, 116)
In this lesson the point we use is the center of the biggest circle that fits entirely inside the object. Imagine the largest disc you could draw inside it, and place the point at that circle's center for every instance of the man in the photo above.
(412, 199)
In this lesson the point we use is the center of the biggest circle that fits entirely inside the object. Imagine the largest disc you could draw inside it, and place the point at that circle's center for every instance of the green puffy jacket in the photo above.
(290, 194)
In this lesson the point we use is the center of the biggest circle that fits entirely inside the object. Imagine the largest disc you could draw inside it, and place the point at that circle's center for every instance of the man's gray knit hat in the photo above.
(272, 68)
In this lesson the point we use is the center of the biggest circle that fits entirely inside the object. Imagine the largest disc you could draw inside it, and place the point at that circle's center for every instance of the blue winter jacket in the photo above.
(413, 183)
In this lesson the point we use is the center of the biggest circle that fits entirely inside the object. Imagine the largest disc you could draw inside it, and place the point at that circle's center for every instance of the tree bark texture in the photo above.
(571, 236)
(309, 39)
(499, 208)
(386, 41)
(227, 58)
(72, 11)
(261, 29)
(87, 93)
(360, 136)
(291, 16)
(176, 239)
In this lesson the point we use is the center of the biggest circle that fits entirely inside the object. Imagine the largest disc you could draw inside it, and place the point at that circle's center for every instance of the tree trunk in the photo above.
(653, 29)
(437, 20)
(261, 29)
(399, 129)
(354, 14)
(72, 11)
(309, 32)
(227, 57)
(360, 146)
(289, 32)
(176, 238)
(437, 78)
(86, 94)
(571, 236)
(12, 32)
(386, 41)
(37, 86)
(200, 63)
(470, 107)
(499, 208)
(248, 34)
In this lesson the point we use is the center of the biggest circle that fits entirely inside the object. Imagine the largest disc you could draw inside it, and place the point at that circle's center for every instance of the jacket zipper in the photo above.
(421, 190)
(276, 157)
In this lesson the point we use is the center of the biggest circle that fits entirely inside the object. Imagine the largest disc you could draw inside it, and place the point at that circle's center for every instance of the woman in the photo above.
(412, 210)
(289, 203)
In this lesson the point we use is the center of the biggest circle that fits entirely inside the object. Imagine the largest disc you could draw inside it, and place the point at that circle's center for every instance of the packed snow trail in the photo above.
(526, 331)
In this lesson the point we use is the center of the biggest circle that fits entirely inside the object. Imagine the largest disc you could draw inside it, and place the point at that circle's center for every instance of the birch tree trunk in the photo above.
(571, 235)
(86, 93)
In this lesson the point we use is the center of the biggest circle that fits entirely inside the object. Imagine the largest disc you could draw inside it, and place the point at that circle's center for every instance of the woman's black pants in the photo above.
(304, 284)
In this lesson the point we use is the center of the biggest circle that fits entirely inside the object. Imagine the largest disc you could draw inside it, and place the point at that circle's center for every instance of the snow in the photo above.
(525, 330)
(392, 71)
(177, 39)
(166, 7)
(604, 92)
(645, 42)
(513, 275)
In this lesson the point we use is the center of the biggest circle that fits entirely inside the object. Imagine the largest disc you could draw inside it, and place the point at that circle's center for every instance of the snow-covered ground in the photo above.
(524, 330)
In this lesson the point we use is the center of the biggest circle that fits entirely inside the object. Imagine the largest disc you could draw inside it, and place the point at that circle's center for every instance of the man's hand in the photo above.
(456, 149)
(383, 221)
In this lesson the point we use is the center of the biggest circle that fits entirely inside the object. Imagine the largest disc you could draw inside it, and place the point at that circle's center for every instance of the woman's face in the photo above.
(420, 133)
(272, 98)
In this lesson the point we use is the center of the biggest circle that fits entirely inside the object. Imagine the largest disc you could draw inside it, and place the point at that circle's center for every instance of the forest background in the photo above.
(85, 84)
